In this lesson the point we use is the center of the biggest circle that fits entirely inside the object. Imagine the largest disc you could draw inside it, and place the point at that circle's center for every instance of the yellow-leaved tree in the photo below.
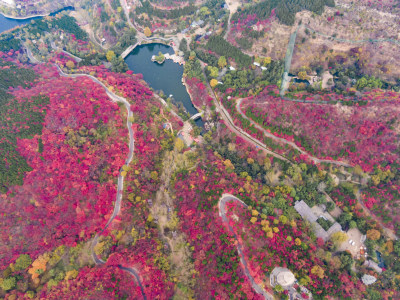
(147, 32)
(70, 64)
(110, 55)
(317, 270)
(373, 234)
(179, 144)
(213, 83)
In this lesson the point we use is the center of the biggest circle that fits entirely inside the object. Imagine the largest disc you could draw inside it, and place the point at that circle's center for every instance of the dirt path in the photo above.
(233, 5)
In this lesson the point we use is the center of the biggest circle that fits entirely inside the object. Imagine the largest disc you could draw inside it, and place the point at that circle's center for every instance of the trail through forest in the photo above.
(222, 213)
(120, 184)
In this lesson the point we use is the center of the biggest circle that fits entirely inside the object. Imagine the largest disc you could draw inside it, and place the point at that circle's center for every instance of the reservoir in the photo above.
(6, 23)
(166, 77)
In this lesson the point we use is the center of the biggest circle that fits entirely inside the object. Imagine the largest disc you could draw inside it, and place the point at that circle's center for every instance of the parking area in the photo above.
(355, 237)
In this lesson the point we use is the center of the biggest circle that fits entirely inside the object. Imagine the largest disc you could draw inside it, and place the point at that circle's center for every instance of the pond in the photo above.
(8, 23)
(380, 259)
(166, 77)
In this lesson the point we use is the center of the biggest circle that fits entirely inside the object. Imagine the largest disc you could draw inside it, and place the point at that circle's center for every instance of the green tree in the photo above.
(8, 283)
(346, 260)
(222, 61)
(353, 224)
(22, 262)
(110, 55)
(330, 206)
(183, 45)
(213, 71)
(396, 247)
(179, 144)
(339, 237)
(302, 75)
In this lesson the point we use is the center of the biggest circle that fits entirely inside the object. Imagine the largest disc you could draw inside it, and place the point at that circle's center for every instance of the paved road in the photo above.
(240, 132)
(120, 187)
(125, 8)
(228, 29)
(53, 45)
(278, 139)
(222, 213)
(30, 55)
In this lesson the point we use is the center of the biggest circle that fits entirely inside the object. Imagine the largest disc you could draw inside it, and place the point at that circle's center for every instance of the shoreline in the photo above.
(33, 16)
(146, 41)
(23, 18)
(190, 95)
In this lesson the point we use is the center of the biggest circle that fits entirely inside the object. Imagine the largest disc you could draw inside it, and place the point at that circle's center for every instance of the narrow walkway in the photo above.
(196, 116)
(222, 213)
(282, 140)
(231, 125)
(120, 185)
(76, 58)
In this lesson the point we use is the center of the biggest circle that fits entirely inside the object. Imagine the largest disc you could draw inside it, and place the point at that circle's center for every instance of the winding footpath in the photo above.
(120, 187)
(292, 144)
(226, 117)
(222, 213)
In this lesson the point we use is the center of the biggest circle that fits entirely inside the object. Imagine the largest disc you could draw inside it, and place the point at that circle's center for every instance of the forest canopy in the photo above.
(166, 14)
(64, 22)
(220, 46)
(285, 9)
(18, 119)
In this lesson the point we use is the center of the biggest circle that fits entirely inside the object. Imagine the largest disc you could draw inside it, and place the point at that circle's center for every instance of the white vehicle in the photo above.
(350, 242)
